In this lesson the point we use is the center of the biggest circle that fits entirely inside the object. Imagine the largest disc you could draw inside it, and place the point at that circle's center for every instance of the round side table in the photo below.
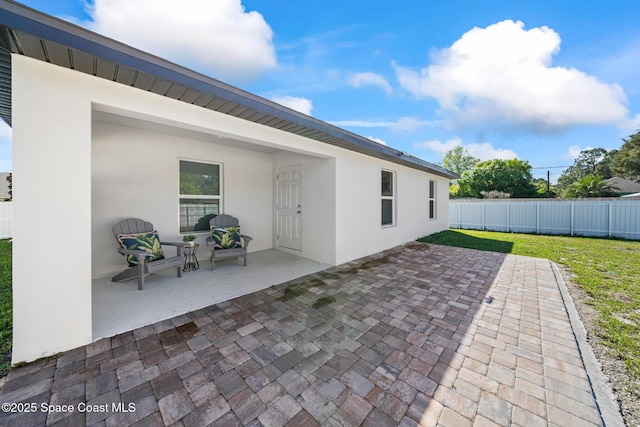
(190, 260)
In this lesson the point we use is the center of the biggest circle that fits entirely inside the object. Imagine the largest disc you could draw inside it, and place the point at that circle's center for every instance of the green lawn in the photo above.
(5, 307)
(608, 270)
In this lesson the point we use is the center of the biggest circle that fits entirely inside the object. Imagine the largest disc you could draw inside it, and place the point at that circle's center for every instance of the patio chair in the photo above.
(225, 240)
(142, 248)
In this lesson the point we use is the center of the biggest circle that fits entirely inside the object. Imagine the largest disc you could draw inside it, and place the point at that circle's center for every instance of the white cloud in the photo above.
(575, 150)
(378, 140)
(302, 105)
(362, 123)
(218, 37)
(439, 146)
(630, 126)
(483, 150)
(370, 79)
(408, 124)
(403, 124)
(502, 76)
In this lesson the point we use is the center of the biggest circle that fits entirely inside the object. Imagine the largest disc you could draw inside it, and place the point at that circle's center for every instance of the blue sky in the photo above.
(539, 81)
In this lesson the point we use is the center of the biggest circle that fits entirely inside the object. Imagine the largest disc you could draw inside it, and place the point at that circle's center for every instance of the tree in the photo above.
(541, 188)
(626, 162)
(459, 160)
(605, 167)
(494, 194)
(595, 161)
(589, 186)
(506, 176)
(197, 184)
(10, 181)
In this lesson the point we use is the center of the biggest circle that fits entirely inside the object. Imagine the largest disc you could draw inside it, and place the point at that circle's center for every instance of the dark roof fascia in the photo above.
(19, 17)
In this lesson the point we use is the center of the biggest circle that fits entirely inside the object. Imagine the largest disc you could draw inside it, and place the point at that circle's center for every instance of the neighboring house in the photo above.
(4, 187)
(102, 131)
(623, 186)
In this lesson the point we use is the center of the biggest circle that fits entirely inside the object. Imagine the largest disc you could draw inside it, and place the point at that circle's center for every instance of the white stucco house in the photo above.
(102, 132)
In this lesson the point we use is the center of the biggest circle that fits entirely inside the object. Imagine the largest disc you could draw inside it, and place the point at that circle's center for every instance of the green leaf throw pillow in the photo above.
(148, 242)
(226, 237)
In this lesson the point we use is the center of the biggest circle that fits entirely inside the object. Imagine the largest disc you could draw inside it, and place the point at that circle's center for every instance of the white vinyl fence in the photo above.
(583, 217)
(6, 220)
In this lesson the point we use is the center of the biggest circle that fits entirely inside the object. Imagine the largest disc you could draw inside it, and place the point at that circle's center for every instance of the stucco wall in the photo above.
(53, 161)
(73, 176)
(318, 205)
(52, 212)
(358, 205)
(341, 201)
(135, 173)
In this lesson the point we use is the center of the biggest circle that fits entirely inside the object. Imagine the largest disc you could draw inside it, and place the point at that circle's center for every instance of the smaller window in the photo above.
(200, 195)
(432, 199)
(388, 197)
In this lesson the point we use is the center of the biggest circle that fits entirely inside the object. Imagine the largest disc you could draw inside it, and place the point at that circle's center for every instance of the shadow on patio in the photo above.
(416, 335)
(121, 307)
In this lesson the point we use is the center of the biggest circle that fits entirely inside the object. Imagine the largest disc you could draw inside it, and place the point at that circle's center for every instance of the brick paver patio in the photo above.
(416, 335)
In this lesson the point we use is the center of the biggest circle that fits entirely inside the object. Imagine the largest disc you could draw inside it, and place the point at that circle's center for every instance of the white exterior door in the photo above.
(289, 207)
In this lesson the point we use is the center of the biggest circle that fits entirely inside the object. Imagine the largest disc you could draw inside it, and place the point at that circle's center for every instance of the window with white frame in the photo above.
(432, 200)
(388, 197)
(200, 194)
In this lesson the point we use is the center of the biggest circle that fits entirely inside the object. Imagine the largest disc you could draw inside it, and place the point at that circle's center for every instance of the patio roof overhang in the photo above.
(28, 32)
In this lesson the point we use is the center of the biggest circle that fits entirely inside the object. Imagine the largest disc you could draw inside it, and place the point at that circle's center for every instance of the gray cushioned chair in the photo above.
(223, 221)
(131, 226)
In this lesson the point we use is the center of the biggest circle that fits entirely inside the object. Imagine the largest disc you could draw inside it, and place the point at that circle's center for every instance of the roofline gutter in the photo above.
(19, 17)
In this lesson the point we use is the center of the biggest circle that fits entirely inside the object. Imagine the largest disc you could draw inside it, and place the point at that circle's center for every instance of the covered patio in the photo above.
(418, 335)
(121, 307)
(118, 128)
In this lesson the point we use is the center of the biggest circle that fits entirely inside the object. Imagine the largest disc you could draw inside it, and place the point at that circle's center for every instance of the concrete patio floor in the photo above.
(121, 307)
(416, 335)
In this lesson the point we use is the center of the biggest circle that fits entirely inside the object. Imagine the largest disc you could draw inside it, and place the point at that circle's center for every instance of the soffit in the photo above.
(24, 31)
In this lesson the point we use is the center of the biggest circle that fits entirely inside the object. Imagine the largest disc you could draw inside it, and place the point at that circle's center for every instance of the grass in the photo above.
(607, 270)
(6, 312)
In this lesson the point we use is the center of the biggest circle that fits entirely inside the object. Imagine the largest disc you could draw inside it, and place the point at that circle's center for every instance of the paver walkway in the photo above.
(416, 335)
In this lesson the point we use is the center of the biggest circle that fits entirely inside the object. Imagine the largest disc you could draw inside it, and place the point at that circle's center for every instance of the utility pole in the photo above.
(548, 186)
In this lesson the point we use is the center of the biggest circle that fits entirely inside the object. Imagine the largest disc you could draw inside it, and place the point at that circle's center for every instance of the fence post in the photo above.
(610, 218)
(622, 216)
(6, 220)
(508, 217)
(572, 217)
(483, 209)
